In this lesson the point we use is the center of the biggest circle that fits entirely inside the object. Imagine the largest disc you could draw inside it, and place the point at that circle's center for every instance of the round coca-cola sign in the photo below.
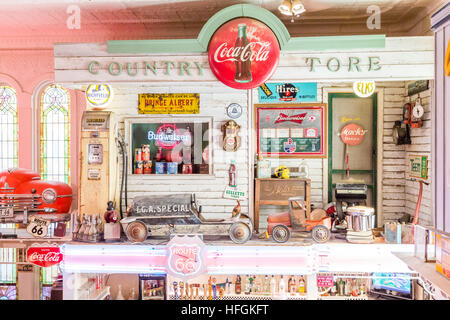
(352, 134)
(243, 53)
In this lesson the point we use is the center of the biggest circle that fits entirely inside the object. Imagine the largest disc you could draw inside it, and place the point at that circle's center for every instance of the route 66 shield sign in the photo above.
(38, 227)
(185, 256)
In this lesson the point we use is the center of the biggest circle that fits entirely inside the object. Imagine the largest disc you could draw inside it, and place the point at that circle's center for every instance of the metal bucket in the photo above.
(360, 218)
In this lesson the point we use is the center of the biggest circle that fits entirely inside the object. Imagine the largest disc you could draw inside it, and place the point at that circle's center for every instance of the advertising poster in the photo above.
(288, 92)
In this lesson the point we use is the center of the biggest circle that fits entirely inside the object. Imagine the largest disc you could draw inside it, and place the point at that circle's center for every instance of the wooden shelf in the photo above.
(427, 270)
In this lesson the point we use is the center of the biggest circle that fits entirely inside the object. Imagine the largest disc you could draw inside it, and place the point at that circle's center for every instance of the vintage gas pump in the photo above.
(98, 169)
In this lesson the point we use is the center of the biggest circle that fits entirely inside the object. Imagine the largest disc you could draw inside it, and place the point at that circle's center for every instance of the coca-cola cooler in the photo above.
(152, 287)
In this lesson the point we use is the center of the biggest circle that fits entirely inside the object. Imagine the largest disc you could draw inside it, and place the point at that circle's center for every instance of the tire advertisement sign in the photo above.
(287, 92)
(243, 53)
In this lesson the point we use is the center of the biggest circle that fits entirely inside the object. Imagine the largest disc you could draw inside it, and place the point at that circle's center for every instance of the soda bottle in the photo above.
(237, 287)
(243, 64)
(232, 174)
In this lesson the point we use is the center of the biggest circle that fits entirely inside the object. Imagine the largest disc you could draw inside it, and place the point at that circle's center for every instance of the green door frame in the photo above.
(373, 186)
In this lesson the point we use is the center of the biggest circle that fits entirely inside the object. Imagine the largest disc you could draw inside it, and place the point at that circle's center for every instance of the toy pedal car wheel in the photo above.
(281, 233)
(240, 232)
(320, 234)
(137, 231)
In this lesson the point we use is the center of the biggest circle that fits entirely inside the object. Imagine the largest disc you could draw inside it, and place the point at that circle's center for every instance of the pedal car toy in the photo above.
(165, 215)
(281, 225)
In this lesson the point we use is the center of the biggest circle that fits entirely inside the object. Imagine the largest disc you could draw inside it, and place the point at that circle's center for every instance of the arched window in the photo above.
(8, 128)
(55, 134)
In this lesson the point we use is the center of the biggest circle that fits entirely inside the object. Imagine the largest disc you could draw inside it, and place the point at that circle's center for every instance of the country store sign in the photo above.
(140, 68)
(245, 46)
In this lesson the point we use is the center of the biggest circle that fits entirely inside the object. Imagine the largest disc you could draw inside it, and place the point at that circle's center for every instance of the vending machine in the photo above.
(99, 158)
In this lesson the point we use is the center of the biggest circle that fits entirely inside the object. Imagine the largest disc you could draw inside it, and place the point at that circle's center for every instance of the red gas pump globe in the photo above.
(243, 53)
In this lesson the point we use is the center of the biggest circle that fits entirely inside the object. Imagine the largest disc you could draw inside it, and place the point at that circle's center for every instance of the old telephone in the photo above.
(98, 169)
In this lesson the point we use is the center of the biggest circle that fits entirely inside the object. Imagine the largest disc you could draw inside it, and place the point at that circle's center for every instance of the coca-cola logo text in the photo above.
(225, 53)
(243, 53)
(44, 256)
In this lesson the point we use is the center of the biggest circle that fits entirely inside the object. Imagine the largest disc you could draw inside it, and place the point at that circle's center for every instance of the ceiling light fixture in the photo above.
(292, 8)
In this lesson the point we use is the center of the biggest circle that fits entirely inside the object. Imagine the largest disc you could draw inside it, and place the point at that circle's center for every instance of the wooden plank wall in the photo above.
(393, 175)
(421, 145)
(214, 97)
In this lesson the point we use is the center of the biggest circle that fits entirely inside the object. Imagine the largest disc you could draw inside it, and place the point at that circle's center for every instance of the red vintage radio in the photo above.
(23, 193)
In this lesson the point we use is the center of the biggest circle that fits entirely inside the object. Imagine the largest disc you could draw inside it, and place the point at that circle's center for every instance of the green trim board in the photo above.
(372, 186)
(287, 43)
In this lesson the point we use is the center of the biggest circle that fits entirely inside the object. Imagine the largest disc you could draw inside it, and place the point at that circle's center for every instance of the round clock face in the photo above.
(418, 111)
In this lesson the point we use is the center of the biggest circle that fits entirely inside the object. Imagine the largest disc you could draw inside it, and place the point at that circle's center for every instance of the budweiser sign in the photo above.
(352, 134)
(297, 118)
(44, 256)
(243, 53)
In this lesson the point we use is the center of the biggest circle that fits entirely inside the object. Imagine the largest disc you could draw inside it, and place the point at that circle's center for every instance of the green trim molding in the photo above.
(286, 43)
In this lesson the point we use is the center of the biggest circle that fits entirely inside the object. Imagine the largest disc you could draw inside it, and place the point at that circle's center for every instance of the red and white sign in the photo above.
(352, 134)
(168, 136)
(324, 281)
(44, 256)
(243, 53)
(185, 256)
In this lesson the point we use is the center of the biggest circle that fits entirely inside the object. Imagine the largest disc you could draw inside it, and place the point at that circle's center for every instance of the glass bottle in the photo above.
(273, 286)
(119, 293)
(333, 290)
(282, 286)
(301, 285)
(87, 228)
(92, 234)
(82, 227)
(341, 287)
(348, 287)
(266, 285)
(237, 286)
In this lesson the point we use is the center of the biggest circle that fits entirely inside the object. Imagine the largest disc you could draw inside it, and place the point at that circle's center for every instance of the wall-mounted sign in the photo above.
(288, 92)
(234, 110)
(157, 103)
(418, 86)
(352, 134)
(364, 88)
(38, 227)
(99, 95)
(418, 166)
(234, 193)
(243, 53)
(185, 256)
(294, 131)
(44, 256)
(25, 268)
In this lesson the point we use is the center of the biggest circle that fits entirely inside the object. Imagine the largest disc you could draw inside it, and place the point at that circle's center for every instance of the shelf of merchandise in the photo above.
(364, 297)
(250, 297)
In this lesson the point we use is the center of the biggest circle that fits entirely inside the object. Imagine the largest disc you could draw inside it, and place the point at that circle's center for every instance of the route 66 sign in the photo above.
(185, 256)
(38, 227)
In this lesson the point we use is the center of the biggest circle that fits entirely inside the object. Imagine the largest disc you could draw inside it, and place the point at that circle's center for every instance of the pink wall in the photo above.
(28, 72)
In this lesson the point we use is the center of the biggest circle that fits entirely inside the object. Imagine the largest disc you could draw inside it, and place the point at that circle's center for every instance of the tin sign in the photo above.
(99, 95)
(243, 53)
(38, 227)
(352, 134)
(44, 256)
(418, 166)
(288, 92)
(169, 103)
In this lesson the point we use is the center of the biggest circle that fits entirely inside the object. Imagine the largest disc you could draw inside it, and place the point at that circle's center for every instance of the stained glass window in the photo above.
(7, 265)
(8, 128)
(8, 292)
(55, 134)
